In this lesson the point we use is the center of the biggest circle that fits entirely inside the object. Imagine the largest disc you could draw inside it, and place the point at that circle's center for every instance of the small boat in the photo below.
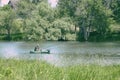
(42, 51)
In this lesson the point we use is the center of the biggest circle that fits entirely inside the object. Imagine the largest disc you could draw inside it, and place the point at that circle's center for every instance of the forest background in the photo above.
(78, 20)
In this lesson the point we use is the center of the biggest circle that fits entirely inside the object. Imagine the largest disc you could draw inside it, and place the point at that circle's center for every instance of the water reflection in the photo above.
(9, 51)
(65, 53)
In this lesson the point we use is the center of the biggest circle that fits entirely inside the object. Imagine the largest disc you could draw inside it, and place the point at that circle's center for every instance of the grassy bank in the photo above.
(40, 70)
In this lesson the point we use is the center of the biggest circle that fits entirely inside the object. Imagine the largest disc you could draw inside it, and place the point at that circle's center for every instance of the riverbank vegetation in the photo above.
(11, 69)
(35, 20)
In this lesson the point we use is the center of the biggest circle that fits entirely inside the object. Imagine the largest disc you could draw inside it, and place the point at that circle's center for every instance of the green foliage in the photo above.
(35, 29)
(93, 16)
(64, 26)
(69, 20)
(70, 37)
(24, 9)
(7, 16)
(67, 7)
(17, 25)
(45, 11)
(115, 6)
(40, 70)
(53, 34)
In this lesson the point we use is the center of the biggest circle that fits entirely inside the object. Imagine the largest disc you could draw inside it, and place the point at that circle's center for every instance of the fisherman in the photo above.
(37, 48)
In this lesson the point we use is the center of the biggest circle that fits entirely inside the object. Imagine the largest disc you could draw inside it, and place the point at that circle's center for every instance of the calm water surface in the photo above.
(65, 53)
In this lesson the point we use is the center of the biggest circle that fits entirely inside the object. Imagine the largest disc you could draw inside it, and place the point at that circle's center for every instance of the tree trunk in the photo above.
(8, 34)
(82, 30)
(86, 32)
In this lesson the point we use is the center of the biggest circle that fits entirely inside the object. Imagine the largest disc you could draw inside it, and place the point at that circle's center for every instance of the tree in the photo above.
(24, 9)
(7, 16)
(67, 7)
(63, 26)
(36, 28)
(92, 16)
(45, 11)
(84, 17)
(115, 6)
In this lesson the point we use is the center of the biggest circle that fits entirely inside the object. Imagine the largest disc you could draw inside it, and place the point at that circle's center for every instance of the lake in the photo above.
(64, 53)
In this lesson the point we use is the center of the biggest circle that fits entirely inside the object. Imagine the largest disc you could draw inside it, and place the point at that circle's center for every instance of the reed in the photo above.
(11, 69)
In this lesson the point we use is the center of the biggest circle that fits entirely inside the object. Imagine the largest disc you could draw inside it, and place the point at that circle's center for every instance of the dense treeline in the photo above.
(69, 20)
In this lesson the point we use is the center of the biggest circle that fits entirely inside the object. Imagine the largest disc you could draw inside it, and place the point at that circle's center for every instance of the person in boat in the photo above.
(37, 48)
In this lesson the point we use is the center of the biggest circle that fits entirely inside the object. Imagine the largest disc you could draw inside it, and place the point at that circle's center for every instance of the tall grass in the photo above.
(11, 69)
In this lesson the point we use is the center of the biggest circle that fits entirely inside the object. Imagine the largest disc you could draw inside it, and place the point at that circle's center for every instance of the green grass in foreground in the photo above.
(11, 69)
